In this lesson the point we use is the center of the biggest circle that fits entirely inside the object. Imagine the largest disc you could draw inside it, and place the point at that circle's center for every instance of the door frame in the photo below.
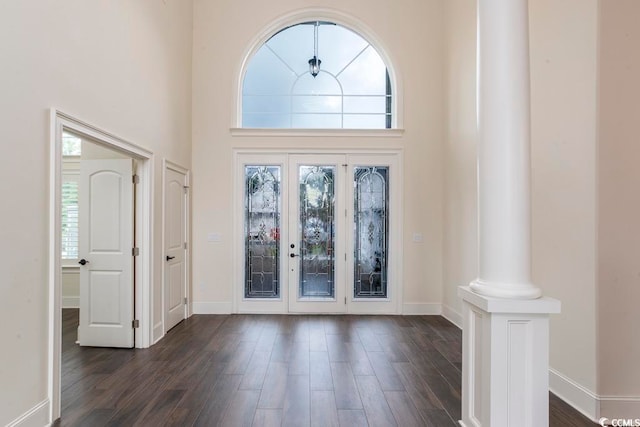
(274, 157)
(143, 277)
(167, 164)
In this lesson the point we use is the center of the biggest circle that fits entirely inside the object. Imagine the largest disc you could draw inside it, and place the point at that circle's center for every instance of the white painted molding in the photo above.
(71, 302)
(580, 398)
(619, 407)
(158, 332)
(322, 133)
(37, 416)
(212, 307)
(590, 404)
(452, 316)
(421, 309)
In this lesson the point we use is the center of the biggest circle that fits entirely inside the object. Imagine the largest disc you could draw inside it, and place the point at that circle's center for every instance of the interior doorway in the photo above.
(175, 244)
(137, 227)
(318, 232)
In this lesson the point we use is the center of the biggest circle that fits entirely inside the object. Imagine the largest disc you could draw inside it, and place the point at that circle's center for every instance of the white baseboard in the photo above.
(71, 302)
(37, 416)
(574, 394)
(211, 307)
(452, 316)
(419, 308)
(620, 407)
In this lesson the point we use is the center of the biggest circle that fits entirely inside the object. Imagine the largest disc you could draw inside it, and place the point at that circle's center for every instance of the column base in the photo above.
(507, 290)
(505, 360)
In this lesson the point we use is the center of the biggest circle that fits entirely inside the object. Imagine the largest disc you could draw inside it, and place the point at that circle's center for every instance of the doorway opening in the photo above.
(138, 227)
(318, 232)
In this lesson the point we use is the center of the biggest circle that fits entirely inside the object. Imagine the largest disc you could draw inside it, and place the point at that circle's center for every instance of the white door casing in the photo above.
(175, 238)
(289, 233)
(105, 244)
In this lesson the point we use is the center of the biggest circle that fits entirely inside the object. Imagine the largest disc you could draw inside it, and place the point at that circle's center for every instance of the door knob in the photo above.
(83, 261)
(169, 258)
(293, 255)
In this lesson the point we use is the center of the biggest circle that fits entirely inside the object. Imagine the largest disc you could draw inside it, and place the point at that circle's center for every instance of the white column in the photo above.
(505, 345)
(504, 189)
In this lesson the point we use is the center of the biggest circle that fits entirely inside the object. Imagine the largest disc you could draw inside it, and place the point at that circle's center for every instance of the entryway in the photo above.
(319, 232)
(112, 252)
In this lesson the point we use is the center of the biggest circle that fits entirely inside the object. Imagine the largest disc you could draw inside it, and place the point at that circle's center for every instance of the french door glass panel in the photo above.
(371, 231)
(317, 231)
(262, 231)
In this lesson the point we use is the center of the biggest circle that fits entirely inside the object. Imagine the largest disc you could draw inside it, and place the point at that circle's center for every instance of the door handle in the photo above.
(292, 255)
(83, 261)
(169, 258)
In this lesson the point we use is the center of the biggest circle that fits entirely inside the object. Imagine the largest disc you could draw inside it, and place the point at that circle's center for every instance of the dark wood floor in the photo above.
(267, 370)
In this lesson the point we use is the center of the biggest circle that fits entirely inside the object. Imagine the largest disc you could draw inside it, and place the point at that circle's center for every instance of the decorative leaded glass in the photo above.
(317, 231)
(262, 232)
(371, 216)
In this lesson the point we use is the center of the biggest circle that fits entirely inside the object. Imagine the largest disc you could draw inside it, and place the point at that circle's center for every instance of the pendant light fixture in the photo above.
(314, 63)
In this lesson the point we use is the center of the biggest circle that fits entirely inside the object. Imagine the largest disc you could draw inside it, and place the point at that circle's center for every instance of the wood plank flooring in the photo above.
(268, 370)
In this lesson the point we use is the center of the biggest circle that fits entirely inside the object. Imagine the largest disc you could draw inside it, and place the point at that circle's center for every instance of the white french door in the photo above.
(317, 228)
(320, 233)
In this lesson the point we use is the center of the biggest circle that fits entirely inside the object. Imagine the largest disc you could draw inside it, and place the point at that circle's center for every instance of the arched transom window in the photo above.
(316, 75)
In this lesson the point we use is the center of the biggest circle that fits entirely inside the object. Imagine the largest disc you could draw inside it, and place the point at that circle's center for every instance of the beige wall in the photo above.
(122, 66)
(412, 33)
(460, 245)
(619, 205)
(563, 113)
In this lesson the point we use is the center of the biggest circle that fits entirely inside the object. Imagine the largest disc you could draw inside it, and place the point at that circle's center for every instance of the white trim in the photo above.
(70, 302)
(590, 404)
(421, 309)
(323, 133)
(37, 416)
(580, 398)
(451, 315)
(624, 407)
(144, 238)
(322, 14)
(158, 331)
(212, 307)
(281, 157)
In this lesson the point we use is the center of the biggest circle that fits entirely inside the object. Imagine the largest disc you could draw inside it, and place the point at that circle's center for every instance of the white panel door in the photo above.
(317, 221)
(174, 241)
(105, 248)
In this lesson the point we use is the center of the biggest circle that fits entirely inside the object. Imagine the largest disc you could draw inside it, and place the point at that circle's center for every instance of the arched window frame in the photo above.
(346, 21)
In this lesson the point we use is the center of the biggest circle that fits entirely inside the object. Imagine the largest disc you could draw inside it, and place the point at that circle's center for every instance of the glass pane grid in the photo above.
(353, 83)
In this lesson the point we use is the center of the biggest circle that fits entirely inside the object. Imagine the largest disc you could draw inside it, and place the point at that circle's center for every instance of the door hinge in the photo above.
(185, 245)
(345, 256)
(135, 251)
(136, 179)
(345, 300)
(135, 324)
(186, 301)
(186, 188)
